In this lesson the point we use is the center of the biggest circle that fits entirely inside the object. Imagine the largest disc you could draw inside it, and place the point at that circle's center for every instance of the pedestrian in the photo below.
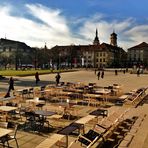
(11, 84)
(57, 78)
(124, 71)
(102, 74)
(98, 75)
(116, 72)
(37, 79)
(138, 72)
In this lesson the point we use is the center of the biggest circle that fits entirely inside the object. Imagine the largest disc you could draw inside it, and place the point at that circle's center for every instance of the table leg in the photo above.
(66, 141)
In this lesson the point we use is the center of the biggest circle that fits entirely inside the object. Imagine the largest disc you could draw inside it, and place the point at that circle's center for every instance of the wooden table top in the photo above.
(7, 99)
(7, 108)
(85, 119)
(44, 113)
(36, 101)
(4, 131)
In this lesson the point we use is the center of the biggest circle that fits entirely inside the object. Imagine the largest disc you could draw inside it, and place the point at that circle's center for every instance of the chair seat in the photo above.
(89, 138)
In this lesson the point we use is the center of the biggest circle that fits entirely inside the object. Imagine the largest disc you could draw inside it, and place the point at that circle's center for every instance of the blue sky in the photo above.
(65, 22)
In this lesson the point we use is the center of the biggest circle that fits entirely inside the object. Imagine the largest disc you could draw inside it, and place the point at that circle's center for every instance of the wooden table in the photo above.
(85, 119)
(99, 112)
(36, 101)
(92, 95)
(69, 129)
(91, 98)
(7, 99)
(6, 109)
(104, 93)
(4, 131)
(44, 113)
(123, 97)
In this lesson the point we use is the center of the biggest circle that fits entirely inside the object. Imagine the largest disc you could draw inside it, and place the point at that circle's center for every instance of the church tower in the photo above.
(113, 39)
(45, 47)
(96, 40)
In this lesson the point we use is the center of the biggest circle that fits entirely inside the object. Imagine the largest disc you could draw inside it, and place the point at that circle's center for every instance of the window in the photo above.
(100, 54)
(100, 60)
(104, 54)
(96, 60)
(104, 60)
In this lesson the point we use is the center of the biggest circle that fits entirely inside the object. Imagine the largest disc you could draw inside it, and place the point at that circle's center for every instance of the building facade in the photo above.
(95, 55)
(15, 53)
(138, 55)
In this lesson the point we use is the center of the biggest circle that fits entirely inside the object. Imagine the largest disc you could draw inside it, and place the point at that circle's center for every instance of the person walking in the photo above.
(124, 71)
(57, 78)
(102, 74)
(98, 75)
(37, 79)
(11, 84)
(138, 72)
(116, 72)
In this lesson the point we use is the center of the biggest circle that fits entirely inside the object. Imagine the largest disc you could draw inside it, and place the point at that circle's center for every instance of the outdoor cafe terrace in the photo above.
(72, 115)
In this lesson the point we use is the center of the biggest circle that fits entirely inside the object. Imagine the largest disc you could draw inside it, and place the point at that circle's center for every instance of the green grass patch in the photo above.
(23, 72)
(28, 72)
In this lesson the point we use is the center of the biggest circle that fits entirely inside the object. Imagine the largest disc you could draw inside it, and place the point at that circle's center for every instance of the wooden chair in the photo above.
(3, 139)
(13, 137)
(31, 92)
(89, 138)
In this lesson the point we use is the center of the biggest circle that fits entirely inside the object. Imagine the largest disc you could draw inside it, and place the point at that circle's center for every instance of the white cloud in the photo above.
(138, 33)
(51, 26)
(51, 17)
(129, 34)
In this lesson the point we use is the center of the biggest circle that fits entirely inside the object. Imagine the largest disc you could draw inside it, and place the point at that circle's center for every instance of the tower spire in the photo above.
(45, 47)
(96, 40)
(96, 32)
